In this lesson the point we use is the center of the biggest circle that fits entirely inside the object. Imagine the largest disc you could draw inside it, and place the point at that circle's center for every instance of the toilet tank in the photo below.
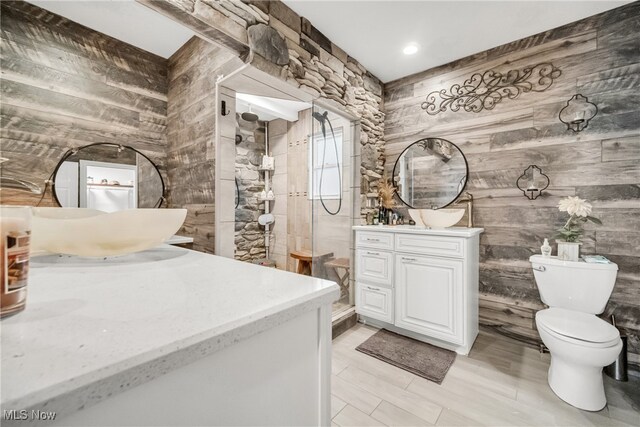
(574, 285)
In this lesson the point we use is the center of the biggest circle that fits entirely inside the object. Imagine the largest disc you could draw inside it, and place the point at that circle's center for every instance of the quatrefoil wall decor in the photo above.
(532, 182)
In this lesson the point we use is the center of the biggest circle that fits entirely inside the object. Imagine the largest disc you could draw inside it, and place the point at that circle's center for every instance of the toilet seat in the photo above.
(578, 328)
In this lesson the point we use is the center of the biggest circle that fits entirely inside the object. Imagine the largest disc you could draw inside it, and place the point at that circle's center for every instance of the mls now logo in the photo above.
(23, 414)
(14, 414)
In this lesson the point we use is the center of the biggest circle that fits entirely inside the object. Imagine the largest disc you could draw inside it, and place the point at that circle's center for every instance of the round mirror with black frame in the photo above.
(107, 177)
(430, 174)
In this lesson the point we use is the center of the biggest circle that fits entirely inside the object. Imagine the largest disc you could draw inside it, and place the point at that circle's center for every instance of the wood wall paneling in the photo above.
(64, 85)
(191, 113)
(598, 57)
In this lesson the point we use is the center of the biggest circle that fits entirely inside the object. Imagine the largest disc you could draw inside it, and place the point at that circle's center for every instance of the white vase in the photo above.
(568, 251)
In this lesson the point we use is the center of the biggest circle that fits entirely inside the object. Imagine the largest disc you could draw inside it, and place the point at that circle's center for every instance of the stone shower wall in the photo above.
(249, 235)
(273, 38)
(598, 57)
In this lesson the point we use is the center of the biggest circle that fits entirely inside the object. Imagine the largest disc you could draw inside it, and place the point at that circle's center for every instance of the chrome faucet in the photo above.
(468, 199)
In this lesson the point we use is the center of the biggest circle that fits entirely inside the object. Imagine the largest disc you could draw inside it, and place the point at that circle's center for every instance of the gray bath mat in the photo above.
(417, 357)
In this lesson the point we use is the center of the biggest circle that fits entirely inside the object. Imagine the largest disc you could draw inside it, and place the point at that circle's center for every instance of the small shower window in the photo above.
(332, 165)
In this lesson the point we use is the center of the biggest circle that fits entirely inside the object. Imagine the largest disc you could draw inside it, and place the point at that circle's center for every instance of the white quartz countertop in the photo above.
(449, 231)
(178, 240)
(96, 327)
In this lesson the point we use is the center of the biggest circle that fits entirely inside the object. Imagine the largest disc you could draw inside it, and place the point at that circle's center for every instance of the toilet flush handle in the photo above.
(539, 268)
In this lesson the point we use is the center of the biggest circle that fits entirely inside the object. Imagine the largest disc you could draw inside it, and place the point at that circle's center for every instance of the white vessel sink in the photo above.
(416, 217)
(93, 233)
(436, 218)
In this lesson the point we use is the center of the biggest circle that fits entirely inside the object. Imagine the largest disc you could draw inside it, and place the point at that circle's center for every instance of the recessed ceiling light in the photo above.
(410, 49)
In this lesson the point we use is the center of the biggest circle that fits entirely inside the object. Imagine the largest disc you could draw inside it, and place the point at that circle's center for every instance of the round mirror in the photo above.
(430, 174)
(107, 177)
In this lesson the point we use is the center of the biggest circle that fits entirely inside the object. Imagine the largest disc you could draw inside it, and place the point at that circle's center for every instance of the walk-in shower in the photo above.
(334, 197)
(293, 172)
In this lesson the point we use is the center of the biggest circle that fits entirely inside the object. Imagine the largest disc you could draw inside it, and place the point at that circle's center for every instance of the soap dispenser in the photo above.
(546, 249)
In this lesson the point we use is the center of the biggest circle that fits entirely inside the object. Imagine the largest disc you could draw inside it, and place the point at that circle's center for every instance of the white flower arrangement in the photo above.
(575, 206)
(579, 211)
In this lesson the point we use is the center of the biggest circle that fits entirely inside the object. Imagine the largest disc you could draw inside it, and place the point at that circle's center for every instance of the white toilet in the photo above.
(580, 343)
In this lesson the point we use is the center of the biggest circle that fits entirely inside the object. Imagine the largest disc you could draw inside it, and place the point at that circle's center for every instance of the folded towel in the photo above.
(595, 259)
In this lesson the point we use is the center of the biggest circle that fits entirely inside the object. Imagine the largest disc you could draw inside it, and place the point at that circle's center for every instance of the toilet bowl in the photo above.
(580, 344)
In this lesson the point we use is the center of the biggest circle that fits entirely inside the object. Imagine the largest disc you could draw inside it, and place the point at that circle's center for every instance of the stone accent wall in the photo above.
(275, 39)
(599, 58)
(249, 235)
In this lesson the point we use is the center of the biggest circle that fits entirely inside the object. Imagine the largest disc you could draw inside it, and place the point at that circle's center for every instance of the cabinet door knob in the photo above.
(371, 288)
(408, 259)
(373, 253)
(372, 240)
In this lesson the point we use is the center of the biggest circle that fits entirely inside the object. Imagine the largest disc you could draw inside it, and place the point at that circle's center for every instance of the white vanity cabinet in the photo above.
(375, 266)
(429, 296)
(375, 302)
(420, 283)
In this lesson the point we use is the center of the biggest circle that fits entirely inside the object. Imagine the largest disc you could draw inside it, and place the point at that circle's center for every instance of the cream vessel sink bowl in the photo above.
(415, 216)
(436, 218)
(93, 233)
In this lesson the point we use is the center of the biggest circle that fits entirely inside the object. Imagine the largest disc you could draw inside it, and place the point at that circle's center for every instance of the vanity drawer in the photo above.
(374, 266)
(371, 239)
(375, 302)
(430, 245)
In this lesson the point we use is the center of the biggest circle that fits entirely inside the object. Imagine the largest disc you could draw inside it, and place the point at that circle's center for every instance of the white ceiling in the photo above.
(375, 32)
(124, 20)
(372, 31)
(270, 108)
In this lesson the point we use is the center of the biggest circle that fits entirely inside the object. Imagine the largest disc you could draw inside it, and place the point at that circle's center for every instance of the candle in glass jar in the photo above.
(15, 230)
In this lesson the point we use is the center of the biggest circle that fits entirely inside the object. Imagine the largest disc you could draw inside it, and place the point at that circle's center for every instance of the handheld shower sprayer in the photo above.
(323, 118)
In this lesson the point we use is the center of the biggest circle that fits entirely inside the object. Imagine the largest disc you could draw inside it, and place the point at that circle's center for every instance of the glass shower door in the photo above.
(331, 150)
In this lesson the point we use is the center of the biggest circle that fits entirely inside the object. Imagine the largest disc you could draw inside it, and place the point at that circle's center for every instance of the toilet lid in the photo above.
(574, 324)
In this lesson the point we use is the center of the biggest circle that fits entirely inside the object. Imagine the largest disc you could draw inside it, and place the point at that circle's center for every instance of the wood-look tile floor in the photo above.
(501, 383)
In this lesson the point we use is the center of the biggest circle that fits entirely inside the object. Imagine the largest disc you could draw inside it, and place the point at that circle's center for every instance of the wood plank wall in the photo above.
(600, 58)
(193, 70)
(65, 85)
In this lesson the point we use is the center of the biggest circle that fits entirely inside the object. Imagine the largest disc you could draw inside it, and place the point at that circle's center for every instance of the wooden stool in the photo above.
(343, 280)
(306, 259)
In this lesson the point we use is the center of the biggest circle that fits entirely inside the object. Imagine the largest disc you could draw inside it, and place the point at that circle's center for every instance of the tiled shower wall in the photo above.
(297, 216)
(298, 206)
(333, 232)
(278, 141)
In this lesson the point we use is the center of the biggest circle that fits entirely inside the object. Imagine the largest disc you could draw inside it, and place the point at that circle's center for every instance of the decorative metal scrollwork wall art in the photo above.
(483, 91)
(577, 113)
(532, 182)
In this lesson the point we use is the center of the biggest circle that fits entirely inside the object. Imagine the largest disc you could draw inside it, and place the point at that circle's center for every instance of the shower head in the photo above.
(320, 117)
(249, 116)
